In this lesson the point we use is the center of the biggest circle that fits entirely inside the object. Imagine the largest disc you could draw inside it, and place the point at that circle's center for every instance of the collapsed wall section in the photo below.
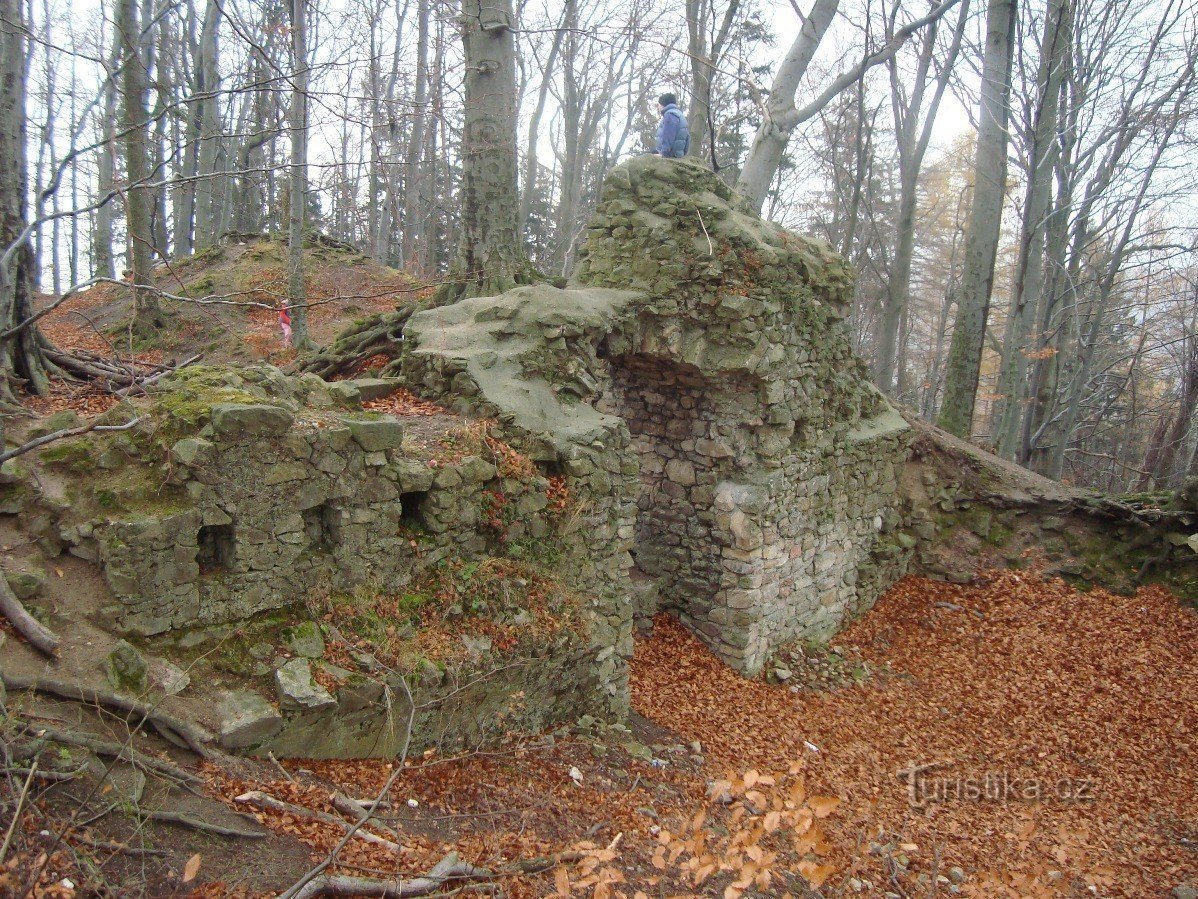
(714, 347)
(789, 474)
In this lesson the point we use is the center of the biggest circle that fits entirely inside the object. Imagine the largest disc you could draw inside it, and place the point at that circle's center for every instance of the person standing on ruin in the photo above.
(673, 133)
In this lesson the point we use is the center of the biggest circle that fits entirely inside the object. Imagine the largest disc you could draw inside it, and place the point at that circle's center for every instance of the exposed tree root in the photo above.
(121, 752)
(258, 799)
(96, 425)
(205, 826)
(39, 636)
(174, 729)
(378, 335)
(449, 869)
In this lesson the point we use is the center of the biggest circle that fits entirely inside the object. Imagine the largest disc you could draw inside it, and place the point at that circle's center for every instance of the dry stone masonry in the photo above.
(692, 391)
(714, 346)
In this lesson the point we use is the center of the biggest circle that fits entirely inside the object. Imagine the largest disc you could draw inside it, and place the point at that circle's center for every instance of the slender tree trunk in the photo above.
(298, 185)
(139, 241)
(985, 220)
(22, 365)
(1029, 267)
(416, 177)
(102, 245)
(531, 164)
(209, 128)
(491, 257)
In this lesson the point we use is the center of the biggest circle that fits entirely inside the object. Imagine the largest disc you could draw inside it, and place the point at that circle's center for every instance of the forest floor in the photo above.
(226, 308)
(1050, 732)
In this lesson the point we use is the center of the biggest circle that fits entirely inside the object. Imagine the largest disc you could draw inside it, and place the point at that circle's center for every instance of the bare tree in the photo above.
(298, 193)
(985, 221)
(138, 197)
(491, 256)
(22, 364)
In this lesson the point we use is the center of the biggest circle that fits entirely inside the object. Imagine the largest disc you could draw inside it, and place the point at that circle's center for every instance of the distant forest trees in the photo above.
(1012, 179)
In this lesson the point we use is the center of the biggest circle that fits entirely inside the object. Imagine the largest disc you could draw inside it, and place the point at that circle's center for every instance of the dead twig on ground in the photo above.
(356, 812)
(261, 800)
(16, 815)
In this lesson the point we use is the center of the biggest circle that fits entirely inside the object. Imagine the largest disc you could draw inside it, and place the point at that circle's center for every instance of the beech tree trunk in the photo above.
(298, 194)
(1029, 268)
(985, 219)
(491, 256)
(781, 117)
(22, 365)
(139, 239)
(209, 128)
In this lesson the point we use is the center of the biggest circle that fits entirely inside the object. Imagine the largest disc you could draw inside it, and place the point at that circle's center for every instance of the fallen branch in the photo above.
(159, 375)
(176, 730)
(258, 799)
(450, 868)
(39, 636)
(354, 810)
(205, 826)
(96, 426)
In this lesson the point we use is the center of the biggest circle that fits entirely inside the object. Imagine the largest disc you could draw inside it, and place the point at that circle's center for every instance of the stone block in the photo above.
(243, 421)
(376, 435)
(374, 388)
(247, 719)
(304, 639)
(126, 669)
(297, 690)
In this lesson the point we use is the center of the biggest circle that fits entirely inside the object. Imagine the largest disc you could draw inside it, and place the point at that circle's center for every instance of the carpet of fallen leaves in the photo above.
(1073, 713)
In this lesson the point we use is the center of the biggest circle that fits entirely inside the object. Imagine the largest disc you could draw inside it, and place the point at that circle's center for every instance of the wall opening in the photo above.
(216, 548)
(669, 412)
(412, 509)
(322, 525)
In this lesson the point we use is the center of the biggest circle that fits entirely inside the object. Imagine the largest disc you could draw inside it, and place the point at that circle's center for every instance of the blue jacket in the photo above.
(673, 134)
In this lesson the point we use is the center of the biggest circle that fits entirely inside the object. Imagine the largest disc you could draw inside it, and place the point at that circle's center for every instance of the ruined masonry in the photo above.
(693, 389)
(714, 347)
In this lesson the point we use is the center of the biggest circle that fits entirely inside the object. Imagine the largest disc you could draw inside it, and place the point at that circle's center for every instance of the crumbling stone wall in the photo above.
(765, 461)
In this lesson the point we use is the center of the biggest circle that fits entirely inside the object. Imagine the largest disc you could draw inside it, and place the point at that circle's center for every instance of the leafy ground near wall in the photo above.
(1050, 732)
(225, 302)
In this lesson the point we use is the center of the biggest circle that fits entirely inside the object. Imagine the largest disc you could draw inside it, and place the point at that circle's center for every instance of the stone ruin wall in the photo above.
(769, 465)
(694, 386)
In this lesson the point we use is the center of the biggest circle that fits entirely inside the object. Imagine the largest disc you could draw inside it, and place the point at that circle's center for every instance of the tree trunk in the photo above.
(985, 219)
(102, 243)
(531, 165)
(416, 180)
(298, 185)
(491, 256)
(139, 240)
(22, 365)
(1029, 268)
(209, 128)
(780, 115)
